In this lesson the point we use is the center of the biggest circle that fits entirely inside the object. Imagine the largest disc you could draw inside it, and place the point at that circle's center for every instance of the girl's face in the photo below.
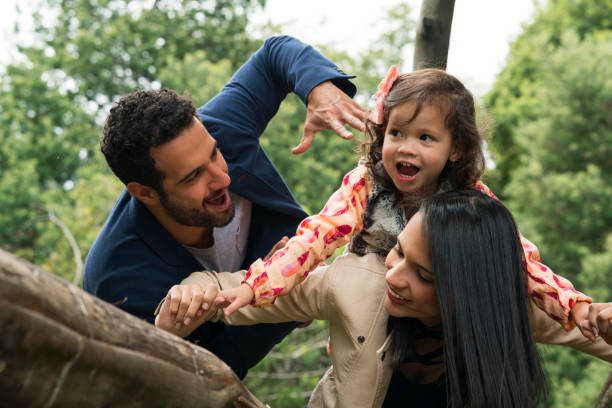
(411, 291)
(414, 153)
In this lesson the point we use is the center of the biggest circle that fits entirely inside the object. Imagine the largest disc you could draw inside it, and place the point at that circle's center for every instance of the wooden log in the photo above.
(433, 34)
(605, 397)
(60, 346)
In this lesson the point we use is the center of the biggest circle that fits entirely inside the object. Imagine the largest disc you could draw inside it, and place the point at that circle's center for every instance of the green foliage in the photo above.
(513, 97)
(574, 379)
(551, 145)
(287, 376)
(110, 47)
(563, 190)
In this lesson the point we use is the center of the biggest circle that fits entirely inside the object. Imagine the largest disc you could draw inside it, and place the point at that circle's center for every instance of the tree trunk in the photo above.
(60, 346)
(605, 398)
(433, 34)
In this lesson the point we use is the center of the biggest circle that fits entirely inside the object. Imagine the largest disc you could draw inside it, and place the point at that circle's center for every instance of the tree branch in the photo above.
(60, 346)
(78, 259)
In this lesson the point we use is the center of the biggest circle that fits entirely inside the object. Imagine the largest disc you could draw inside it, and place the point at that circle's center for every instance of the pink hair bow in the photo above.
(377, 115)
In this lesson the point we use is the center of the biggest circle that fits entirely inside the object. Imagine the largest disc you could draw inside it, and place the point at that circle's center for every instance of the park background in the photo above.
(548, 111)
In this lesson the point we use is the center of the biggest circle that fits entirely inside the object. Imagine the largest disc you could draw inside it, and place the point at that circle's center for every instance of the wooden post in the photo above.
(433, 34)
(605, 397)
(60, 346)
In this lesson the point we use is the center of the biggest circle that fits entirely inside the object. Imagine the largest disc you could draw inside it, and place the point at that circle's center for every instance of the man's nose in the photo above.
(218, 177)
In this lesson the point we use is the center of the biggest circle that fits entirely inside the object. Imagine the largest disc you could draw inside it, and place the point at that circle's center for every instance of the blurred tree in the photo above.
(563, 189)
(551, 146)
(110, 47)
(513, 97)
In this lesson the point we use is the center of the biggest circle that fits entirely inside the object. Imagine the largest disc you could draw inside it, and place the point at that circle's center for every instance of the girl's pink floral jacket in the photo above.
(318, 236)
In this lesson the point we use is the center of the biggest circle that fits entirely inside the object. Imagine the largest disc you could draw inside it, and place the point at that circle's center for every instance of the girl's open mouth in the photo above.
(406, 171)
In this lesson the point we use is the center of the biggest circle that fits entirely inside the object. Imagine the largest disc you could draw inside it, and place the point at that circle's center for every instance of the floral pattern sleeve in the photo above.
(552, 293)
(317, 237)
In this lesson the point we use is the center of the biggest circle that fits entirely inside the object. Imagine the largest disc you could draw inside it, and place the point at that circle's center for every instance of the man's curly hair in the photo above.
(140, 121)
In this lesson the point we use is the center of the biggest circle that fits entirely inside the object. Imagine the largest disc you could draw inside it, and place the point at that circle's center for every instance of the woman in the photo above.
(455, 279)
(456, 290)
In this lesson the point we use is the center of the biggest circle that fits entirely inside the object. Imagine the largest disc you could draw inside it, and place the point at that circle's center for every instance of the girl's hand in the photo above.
(234, 298)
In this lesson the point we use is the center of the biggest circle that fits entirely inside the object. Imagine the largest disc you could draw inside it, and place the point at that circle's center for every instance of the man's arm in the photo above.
(252, 97)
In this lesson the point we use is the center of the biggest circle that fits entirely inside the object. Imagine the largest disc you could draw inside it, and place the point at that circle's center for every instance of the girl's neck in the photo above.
(411, 201)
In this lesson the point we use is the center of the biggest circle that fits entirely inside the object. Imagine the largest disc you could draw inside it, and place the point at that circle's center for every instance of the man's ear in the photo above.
(146, 194)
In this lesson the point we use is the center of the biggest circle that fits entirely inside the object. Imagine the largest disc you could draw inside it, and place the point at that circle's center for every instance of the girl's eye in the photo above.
(395, 132)
(426, 138)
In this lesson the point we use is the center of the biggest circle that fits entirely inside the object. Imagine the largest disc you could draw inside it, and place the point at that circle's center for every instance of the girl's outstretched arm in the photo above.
(552, 293)
(316, 239)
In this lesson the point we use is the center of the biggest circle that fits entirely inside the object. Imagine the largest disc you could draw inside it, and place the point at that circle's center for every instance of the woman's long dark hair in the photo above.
(489, 352)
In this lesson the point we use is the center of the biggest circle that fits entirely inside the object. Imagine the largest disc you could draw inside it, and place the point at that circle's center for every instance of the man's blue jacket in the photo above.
(134, 260)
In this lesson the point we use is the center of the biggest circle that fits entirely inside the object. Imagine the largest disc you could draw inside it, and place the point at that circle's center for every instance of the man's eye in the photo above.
(193, 177)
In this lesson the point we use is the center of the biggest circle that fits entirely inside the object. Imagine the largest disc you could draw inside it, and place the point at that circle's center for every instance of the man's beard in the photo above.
(196, 217)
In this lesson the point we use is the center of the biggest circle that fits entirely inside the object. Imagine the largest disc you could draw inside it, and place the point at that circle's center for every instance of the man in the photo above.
(200, 191)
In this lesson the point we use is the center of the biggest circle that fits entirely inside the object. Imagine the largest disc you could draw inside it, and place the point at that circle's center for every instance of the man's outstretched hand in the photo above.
(330, 108)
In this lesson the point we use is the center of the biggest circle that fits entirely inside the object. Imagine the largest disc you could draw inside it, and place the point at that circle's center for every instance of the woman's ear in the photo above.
(145, 194)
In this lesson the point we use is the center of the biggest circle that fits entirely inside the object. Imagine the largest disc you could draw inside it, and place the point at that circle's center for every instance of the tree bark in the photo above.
(433, 34)
(605, 397)
(60, 346)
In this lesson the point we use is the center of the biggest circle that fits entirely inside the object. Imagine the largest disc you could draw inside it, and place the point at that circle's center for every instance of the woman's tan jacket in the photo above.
(350, 294)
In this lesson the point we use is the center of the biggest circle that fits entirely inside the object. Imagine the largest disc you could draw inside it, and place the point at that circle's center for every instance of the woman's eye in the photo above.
(426, 137)
(422, 277)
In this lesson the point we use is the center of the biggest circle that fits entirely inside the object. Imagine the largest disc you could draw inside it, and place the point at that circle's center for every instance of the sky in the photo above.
(480, 34)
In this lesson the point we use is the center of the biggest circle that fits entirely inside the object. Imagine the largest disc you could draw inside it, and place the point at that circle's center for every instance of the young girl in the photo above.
(423, 140)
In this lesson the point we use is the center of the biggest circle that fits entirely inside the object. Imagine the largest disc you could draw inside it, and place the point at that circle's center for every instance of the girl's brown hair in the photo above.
(435, 87)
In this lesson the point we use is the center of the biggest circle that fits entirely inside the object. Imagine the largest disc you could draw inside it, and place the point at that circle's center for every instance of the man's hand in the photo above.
(599, 321)
(330, 108)
(186, 307)
(579, 315)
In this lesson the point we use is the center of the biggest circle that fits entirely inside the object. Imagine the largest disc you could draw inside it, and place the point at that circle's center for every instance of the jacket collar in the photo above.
(157, 237)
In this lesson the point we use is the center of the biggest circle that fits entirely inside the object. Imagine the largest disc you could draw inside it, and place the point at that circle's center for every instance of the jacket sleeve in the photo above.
(552, 293)
(316, 239)
(307, 302)
(545, 331)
